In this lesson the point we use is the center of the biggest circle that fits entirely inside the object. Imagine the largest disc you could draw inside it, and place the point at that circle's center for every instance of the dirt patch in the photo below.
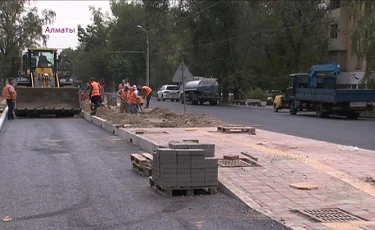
(158, 117)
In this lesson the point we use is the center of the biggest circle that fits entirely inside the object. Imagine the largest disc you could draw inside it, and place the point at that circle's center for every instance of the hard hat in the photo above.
(46, 74)
(123, 81)
(134, 87)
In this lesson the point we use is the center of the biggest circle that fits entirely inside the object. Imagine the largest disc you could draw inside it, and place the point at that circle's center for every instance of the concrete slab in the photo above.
(3, 117)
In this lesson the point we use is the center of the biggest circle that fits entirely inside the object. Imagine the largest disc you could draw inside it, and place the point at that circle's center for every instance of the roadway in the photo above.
(69, 174)
(333, 129)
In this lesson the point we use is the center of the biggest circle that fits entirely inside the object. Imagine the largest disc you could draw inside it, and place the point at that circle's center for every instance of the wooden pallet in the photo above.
(143, 171)
(141, 164)
(182, 191)
(236, 129)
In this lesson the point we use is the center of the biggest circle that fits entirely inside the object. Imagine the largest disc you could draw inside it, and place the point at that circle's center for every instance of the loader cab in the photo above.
(41, 61)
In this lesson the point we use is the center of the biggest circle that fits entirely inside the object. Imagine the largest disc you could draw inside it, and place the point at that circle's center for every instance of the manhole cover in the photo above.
(329, 215)
(233, 163)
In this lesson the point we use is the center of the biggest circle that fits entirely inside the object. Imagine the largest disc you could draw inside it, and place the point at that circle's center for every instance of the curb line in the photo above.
(3, 117)
(225, 186)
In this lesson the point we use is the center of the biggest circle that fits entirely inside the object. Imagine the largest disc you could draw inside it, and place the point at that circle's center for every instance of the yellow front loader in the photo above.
(39, 91)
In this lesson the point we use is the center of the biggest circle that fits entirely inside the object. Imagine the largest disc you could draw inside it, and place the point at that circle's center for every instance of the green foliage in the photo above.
(258, 93)
(363, 37)
(20, 27)
(245, 44)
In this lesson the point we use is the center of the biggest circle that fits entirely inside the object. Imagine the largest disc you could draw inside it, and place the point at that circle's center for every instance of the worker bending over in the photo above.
(123, 84)
(94, 95)
(134, 100)
(124, 104)
(147, 94)
(10, 95)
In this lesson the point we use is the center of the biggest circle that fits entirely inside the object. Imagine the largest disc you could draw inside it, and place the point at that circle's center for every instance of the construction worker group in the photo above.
(131, 99)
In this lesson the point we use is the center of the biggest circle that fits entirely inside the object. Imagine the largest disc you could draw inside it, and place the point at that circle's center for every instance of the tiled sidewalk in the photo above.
(339, 173)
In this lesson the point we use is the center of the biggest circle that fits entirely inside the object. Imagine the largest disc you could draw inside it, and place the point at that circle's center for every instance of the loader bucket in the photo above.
(47, 101)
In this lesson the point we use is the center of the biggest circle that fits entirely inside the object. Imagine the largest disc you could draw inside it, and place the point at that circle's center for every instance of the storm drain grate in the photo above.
(328, 215)
(233, 163)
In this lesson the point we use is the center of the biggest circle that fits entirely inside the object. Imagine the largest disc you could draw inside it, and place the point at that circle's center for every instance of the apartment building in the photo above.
(339, 51)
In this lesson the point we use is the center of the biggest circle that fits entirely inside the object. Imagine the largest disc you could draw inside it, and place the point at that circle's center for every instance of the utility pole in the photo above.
(147, 56)
(183, 82)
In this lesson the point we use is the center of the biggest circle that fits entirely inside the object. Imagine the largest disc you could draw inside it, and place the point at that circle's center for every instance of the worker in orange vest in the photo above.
(10, 95)
(101, 83)
(124, 83)
(134, 100)
(147, 94)
(94, 94)
(124, 104)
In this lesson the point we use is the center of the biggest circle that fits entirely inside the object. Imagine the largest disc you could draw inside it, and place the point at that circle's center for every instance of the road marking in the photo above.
(356, 183)
(98, 139)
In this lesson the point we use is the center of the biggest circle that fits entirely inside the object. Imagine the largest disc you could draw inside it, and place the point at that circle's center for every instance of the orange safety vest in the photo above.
(124, 95)
(9, 95)
(147, 90)
(129, 93)
(95, 89)
(133, 99)
(101, 89)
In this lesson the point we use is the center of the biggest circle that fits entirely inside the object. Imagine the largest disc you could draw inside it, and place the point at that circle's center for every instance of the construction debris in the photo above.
(152, 118)
(248, 155)
(236, 129)
(304, 186)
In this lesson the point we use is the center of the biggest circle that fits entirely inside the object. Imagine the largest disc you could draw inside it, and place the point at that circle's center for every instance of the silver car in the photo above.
(168, 92)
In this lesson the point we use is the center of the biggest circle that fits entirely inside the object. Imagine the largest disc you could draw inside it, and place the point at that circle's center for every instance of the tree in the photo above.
(20, 28)
(363, 37)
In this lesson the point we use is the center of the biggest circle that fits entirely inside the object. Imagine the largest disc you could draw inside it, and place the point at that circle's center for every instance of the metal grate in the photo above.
(233, 163)
(329, 215)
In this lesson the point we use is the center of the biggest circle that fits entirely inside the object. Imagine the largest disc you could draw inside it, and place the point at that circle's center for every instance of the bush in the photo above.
(259, 94)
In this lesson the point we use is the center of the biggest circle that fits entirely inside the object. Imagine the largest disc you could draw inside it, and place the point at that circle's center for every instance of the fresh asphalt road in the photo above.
(69, 174)
(337, 130)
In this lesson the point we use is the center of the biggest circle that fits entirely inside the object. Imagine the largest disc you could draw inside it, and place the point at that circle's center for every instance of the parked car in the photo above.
(168, 92)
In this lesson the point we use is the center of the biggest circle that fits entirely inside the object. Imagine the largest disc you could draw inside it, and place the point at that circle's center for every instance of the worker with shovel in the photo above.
(134, 100)
(94, 88)
(124, 104)
(147, 94)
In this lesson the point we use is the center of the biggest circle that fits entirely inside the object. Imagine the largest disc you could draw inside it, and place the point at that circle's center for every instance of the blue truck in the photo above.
(318, 91)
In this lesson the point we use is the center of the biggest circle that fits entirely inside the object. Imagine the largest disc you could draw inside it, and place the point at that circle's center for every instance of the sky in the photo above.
(69, 13)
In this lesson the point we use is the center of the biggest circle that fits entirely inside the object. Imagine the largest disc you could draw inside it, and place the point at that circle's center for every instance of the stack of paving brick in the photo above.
(185, 165)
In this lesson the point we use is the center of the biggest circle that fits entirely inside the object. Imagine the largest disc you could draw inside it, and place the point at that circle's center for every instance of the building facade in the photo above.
(339, 47)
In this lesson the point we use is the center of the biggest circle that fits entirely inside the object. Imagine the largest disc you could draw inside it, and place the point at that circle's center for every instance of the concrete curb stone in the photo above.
(3, 117)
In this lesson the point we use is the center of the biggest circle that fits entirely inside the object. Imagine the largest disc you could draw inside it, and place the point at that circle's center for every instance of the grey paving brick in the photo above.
(211, 162)
(197, 183)
(183, 170)
(196, 152)
(182, 152)
(191, 140)
(197, 171)
(183, 159)
(185, 176)
(197, 164)
(177, 145)
(168, 166)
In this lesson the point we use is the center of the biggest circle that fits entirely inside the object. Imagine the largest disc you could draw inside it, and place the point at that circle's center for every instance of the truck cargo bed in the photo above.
(335, 96)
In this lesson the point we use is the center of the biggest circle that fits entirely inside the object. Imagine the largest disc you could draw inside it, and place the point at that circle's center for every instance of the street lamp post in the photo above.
(147, 57)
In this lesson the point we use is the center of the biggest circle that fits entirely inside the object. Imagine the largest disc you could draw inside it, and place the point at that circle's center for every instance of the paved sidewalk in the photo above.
(338, 171)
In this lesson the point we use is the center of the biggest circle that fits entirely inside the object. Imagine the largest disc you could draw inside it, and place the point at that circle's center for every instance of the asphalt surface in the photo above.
(69, 174)
(337, 130)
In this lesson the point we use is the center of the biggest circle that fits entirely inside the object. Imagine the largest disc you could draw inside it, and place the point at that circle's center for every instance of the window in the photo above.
(335, 4)
(172, 87)
(45, 59)
(334, 28)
